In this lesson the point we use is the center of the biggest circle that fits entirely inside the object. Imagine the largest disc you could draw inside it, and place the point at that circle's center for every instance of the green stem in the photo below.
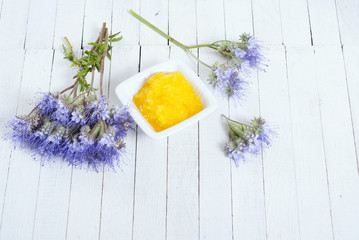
(236, 121)
(182, 46)
(201, 45)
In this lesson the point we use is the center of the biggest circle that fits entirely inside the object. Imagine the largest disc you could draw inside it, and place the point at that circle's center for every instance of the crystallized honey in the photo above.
(167, 99)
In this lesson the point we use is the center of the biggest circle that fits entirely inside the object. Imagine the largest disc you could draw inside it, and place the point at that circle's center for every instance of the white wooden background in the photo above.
(306, 186)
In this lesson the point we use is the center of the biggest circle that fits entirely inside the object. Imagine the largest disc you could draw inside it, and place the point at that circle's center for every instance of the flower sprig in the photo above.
(78, 127)
(247, 139)
(229, 77)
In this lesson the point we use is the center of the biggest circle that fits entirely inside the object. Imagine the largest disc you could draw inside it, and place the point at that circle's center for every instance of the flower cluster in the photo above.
(247, 139)
(83, 130)
(243, 56)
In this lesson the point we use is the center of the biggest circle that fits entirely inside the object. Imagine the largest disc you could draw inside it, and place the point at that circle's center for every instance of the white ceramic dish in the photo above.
(126, 90)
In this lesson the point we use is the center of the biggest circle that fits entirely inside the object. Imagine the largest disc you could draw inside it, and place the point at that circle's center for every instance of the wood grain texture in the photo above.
(311, 176)
(214, 166)
(157, 14)
(295, 23)
(278, 160)
(151, 170)
(323, 22)
(338, 141)
(348, 15)
(10, 64)
(69, 13)
(11, 13)
(118, 190)
(55, 180)
(18, 216)
(40, 33)
(351, 60)
(248, 206)
(268, 26)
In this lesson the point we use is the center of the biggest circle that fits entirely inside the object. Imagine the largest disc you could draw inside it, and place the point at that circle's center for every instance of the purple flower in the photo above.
(228, 82)
(20, 131)
(97, 111)
(122, 121)
(247, 139)
(48, 104)
(250, 55)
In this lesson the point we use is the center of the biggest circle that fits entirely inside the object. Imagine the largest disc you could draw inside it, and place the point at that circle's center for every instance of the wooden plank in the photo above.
(69, 16)
(338, 142)
(182, 214)
(118, 190)
(124, 22)
(151, 170)
(157, 14)
(248, 207)
(351, 61)
(182, 197)
(13, 12)
(11, 65)
(311, 177)
(21, 193)
(295, 23)
(348, 15)
(86, 191)
(55, 179)
(41, 24)
(323, 22)
(267, 21)
(182, 28)
(238, 18)
(278, 160)
(214, 166)
(247, 179)
(96, 12)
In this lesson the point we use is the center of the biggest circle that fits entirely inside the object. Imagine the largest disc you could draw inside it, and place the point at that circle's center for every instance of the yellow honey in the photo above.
(167, 99)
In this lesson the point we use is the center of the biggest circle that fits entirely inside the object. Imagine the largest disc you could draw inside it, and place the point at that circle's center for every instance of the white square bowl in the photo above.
(126, 90)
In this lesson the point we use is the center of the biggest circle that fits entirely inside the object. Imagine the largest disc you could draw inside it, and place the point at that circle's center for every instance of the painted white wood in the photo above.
(11, 65)
(351, 60)
(96, 12)
(41, 24)
(151, 170)
(69, 23)
(267, 21)
(278, 160)
(183, 205)
(323, 22)
(214, 166)
(338, 142)
(183, 29)
(238, 18)
(295, 22)
(117, 202)
(13, 23)
(156, 12)
(22, 186)
(348, 16)
(86, 191)
(124, 22)
(183, 210)
(55, 179)
(248, 207)
(311, 175)
(247, 179)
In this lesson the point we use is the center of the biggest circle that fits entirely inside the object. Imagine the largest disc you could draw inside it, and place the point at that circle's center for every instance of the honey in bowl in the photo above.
(167, 99)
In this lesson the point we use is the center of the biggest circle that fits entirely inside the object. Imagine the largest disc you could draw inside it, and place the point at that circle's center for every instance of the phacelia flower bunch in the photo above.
(78, 127)
(247, 139)
(229, 78)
